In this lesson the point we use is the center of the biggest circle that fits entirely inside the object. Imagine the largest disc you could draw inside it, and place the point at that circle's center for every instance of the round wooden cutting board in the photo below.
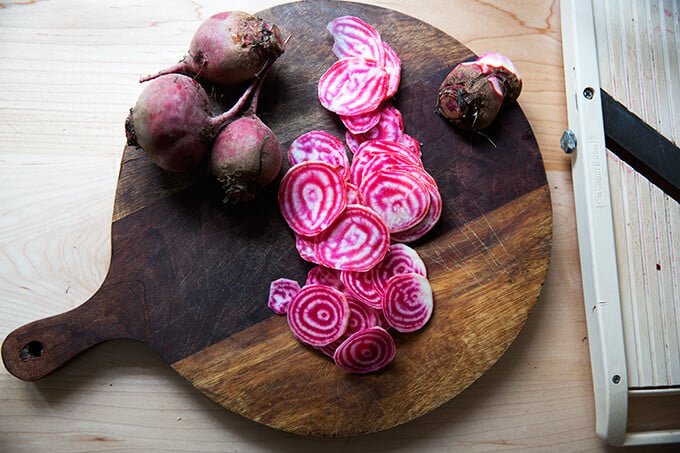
(189, 276)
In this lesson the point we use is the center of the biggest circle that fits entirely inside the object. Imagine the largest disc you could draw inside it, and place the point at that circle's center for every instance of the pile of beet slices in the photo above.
(353, 220)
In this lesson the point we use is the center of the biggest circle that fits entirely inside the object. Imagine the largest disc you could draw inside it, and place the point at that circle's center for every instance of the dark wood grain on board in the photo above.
(189, 276)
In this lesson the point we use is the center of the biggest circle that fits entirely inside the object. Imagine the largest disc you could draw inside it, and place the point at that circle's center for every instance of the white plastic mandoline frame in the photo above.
(597, 247)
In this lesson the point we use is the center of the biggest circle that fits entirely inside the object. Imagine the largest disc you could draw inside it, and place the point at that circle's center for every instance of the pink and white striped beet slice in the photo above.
(408, 302)
(318, 315)
(354, 196)
(352, 141)
(306, 247)
(353, 86)
(382, 322)
(393, 68)
(312, 195)
(390, 147)
(373, 161)
(360, 286)
(356, 241)
(424, 226)
(281, 292)
(386, 123)
(319, 145)
(355, 38)
(411, 143)
(427, 179)
(400, 259)
(416, 170)
(366, 351)
(399, 198)
(358, 124)
(389, 127)
(324, 276)
(374, 155)
(361, 316)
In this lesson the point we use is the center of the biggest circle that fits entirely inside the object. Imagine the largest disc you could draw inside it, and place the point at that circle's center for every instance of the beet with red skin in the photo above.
(229, 48)
(245, 157)
(171, 122)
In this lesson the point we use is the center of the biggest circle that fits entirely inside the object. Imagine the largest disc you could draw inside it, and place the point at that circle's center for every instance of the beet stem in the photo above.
(178, 68)
(259, 80)
(255, 87)
(221, 119)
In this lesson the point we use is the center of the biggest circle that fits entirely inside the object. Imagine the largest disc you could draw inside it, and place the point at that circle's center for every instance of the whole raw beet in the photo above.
(246, 156)
(228, 48)
(171, 122)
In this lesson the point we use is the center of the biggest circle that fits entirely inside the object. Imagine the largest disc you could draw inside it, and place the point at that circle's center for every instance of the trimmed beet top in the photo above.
(474, 92)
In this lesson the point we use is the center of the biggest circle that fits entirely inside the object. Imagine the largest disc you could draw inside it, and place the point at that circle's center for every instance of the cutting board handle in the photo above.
(40, 347)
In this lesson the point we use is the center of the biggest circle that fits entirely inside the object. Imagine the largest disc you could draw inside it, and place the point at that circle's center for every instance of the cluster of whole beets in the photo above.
(173, 122)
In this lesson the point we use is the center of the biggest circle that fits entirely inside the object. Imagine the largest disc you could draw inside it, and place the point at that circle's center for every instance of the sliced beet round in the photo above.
(352, 141)
(360, 286)
(353, 194)
(281, 292)
(322, 146)
(390, 126)
(358, 124)
(374, 155)
(353, 86)
(356, 241)
(312, 195)
(325, 276)
(318, 314)
(393, 68)
(306, 247)
(424, 226)
(389, 147)
(400, 259)
(408, 302)
(375, 161)
(355, 38)
(397, 196)
(412, 144)
(366, 351)
(361, 316)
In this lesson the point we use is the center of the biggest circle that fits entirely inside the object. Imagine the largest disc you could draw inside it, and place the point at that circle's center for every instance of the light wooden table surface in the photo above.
(68, 75)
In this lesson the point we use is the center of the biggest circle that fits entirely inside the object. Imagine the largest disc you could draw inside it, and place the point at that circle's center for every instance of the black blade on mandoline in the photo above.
(641, 146)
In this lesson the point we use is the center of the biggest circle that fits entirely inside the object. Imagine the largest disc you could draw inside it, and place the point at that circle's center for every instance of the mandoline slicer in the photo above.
(627, 215)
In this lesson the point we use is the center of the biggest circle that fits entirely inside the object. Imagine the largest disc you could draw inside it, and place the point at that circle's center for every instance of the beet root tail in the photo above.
(180, 68)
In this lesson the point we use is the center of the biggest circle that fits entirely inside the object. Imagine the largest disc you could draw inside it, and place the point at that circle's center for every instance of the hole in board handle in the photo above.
(32, 350)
